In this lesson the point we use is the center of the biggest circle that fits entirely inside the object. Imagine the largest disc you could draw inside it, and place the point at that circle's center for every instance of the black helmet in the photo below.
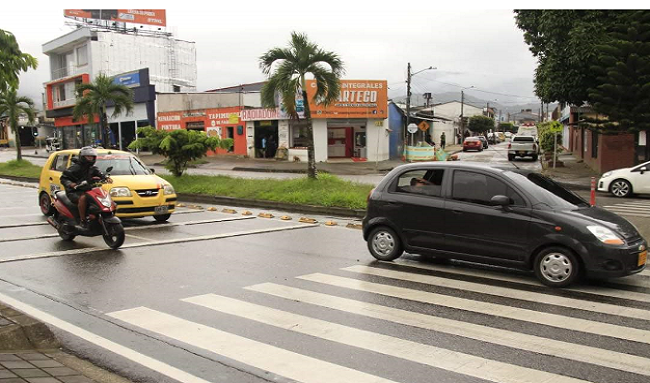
(87, 151)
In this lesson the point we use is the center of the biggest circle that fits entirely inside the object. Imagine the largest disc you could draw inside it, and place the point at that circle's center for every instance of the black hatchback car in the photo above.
(506, 217)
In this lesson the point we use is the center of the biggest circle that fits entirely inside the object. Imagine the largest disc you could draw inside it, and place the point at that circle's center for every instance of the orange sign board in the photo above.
(134, 16)
(358, 99)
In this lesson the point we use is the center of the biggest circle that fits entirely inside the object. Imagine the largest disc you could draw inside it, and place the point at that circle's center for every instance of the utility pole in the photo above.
(462, 120)
(408, 101)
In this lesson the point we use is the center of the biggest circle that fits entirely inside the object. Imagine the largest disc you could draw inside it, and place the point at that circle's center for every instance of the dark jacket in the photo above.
(78, 173)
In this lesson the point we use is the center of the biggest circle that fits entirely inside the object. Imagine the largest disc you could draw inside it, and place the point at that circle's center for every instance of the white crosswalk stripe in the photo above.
(634, 209)
(628, 354)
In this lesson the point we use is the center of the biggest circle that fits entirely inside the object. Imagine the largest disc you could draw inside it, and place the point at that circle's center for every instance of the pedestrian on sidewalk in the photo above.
(264, 147)
(442, 140)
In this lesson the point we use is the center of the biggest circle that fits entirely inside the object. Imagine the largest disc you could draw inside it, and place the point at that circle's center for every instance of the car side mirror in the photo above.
(153, 171)
(109, 169)
(643, 169)
(500, 200)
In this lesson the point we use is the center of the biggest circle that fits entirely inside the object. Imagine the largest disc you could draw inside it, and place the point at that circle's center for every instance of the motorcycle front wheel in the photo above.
(115, 237)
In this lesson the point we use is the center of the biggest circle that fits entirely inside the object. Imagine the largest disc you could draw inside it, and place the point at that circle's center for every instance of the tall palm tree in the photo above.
(93, 97)
(12, 61)
(12, 106)
(302, 57)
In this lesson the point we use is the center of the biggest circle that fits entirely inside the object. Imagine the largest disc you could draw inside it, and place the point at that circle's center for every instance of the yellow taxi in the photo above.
(136, 191)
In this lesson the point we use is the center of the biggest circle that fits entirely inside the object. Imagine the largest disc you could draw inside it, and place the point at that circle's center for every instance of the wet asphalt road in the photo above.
(229, 298)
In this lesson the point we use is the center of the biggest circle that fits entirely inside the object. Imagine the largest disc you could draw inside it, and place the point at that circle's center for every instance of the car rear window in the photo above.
(523, 139)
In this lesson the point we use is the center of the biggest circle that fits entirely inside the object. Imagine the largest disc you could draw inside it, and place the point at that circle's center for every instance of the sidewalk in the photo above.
(30, 353)
(574, 174)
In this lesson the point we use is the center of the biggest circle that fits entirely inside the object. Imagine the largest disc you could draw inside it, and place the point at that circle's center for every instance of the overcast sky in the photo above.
(376, 40)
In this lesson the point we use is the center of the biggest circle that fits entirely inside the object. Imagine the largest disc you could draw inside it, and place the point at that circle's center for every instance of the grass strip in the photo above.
(328, 190)
(20, 168)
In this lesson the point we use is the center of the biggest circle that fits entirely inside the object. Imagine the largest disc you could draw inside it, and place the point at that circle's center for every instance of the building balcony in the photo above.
(64, 103)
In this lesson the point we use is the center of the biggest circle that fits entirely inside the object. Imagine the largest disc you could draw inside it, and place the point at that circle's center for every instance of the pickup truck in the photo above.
(522, 146)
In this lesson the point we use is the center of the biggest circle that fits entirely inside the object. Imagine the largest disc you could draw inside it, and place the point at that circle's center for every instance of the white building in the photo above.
(449, 113)
(79, 56)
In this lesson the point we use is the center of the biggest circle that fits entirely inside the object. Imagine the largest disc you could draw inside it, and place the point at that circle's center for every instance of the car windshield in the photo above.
(546, 191)
(123, 165)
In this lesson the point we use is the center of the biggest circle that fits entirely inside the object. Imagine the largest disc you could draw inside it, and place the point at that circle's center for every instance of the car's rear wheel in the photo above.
(535, 157)
(511, 157)
(556, 266)
(384, 244)
(621, 188)
(45, 204)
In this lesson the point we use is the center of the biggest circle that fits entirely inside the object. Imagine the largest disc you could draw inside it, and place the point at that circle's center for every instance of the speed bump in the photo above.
(181, 205)
(354, 226)
(212, 208)
(247, 213)
(330, 223)
(286, 218)
(265, 215)
(229, 211)
(307, 220)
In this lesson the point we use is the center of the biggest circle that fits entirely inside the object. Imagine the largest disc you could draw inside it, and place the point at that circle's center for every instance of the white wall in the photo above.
(443, 126)
(250, 138)
(377, 140)
(139, 113)
(451, 110)
(173, 102)
(320, 139)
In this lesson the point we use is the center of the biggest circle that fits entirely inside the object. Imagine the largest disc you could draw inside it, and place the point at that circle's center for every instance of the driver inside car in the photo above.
(83, 170)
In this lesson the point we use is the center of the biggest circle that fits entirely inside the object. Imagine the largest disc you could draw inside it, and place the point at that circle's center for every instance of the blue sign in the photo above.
(130, 80)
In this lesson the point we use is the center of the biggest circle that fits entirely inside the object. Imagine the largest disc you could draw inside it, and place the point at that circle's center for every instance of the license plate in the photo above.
(160, 210)
(521, 153)
(643, 257)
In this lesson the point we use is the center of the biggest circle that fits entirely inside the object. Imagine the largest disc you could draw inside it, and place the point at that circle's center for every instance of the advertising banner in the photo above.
(155, 17)
(130, 80)
(358, 99)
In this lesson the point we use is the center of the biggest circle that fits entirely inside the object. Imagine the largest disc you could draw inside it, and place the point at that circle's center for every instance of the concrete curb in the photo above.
(22, 332)
(307, 209)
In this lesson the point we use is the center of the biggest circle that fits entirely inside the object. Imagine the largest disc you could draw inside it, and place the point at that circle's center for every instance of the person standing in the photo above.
(443, 140)
(264, 147)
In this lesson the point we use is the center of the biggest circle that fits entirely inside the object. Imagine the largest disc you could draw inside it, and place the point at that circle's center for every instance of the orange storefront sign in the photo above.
(135, 16)
(358, 99)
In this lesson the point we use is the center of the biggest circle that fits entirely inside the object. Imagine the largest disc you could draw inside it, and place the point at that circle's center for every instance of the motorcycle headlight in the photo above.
(106, 201)
(605, 235)
(169, 189)
(120, 192)
(607, 174)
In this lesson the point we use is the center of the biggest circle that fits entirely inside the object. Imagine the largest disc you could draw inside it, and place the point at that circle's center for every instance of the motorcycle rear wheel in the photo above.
(65, 236)
(115, 237)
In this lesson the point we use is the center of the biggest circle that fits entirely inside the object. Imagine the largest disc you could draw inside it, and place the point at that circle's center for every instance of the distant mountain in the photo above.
(418, 100)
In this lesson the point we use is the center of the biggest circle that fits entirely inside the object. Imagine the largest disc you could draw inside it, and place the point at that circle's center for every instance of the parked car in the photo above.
(472, 143)
(523, 146)
(508, 135)
(508, 217)
(626, 181)
(135, 189)
(484, 141)
(502, 136)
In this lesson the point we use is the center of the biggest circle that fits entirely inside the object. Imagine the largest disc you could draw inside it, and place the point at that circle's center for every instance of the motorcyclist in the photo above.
(83, 170)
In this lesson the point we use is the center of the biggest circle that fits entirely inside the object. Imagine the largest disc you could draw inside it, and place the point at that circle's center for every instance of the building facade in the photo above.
(79, 56)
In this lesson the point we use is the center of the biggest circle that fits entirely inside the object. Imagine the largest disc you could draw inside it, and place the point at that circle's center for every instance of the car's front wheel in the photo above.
(384, 244)
(162, 217)
(556, 266)
(621, 188)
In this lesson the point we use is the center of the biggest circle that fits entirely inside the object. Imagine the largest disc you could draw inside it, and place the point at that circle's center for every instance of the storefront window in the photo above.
(299, 136)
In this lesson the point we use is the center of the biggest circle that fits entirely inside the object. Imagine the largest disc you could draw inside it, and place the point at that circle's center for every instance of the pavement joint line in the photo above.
(54, 254)
(138, 237)
(169, 224)
(144, 360)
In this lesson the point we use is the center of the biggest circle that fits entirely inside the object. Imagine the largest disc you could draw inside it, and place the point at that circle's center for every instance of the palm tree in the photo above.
(93, 97)
(12, 107)
(12, 61)
(288, 80)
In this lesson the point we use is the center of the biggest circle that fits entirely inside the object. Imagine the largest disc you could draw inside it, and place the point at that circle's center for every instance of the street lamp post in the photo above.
(462, 107)
(408, 97)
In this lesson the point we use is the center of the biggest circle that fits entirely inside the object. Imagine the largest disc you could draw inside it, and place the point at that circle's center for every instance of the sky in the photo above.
(468, 46)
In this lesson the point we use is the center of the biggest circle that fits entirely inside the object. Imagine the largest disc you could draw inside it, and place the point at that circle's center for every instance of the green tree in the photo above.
(12, 61)
(565, 43)
(178, 146)
(288, 80)
(623, 74)
(507, 127)
(12, 106)
(480, 124)
(92, 99)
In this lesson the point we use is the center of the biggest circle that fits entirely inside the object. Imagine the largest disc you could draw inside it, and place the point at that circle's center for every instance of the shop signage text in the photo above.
(358, 99)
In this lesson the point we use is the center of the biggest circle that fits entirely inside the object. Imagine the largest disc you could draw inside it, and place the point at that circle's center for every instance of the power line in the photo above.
(480, 90)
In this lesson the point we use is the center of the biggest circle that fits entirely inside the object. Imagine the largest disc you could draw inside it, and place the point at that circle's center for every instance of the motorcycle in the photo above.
(101, 215)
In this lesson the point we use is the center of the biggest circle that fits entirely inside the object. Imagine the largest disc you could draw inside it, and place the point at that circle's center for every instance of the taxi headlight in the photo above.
(120, 192)
(169, 189)
(605, 235)
(607, 174)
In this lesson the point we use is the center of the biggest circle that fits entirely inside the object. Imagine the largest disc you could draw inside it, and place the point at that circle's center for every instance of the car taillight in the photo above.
(509, 146)
(369, 194)
(534, 147)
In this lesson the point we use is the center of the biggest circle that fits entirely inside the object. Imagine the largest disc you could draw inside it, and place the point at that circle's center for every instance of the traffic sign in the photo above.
(423, 126)
(412, 128)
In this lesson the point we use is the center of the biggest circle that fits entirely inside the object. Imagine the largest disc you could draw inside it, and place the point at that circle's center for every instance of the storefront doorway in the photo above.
(266, 139)
(340, 142)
